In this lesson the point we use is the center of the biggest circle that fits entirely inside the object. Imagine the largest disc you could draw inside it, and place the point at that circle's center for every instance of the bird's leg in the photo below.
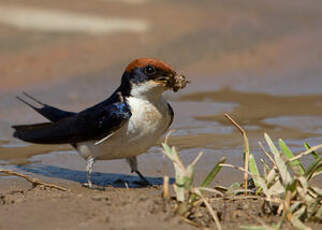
(132, 161)
(89, 169)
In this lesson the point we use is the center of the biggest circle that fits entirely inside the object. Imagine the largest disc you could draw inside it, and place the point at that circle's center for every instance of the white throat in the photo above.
(147, 91)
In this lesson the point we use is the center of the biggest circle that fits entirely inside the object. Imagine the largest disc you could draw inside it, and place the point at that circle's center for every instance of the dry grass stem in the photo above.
(191, 222)
(263, 224)
(211, 190)
(35, 182)
(212, 212)
(235, 167)
(246, 144)
(165, 193)
(312, 149)
(126, 185)
(266, 153)
(194, 162)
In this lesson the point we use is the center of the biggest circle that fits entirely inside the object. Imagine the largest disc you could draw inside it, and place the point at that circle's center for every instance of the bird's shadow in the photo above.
(98, 178)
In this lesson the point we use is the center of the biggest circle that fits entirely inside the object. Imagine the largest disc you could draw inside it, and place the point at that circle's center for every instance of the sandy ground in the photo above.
(84, 209)
(253, 59)
(23, 207)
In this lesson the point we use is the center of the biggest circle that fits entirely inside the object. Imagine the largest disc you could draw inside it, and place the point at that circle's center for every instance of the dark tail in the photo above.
(31, 133)
(44, 133)
(51, 113)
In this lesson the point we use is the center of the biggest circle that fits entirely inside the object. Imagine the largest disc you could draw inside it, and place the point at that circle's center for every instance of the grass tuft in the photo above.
(285, 186)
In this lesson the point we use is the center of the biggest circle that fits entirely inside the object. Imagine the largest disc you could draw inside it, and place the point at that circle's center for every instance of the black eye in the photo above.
(149, 70)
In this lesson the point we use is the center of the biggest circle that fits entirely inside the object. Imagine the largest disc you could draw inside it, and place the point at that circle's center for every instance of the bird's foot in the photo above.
(144, 181)
(93, 186)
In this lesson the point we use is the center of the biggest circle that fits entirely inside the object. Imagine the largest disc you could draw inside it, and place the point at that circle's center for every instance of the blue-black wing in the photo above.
(92, 124)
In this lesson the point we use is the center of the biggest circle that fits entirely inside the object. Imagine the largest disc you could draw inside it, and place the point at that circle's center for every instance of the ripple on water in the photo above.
(291, 117)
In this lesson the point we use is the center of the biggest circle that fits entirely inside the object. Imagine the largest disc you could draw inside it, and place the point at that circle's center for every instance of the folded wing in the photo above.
(91, 124)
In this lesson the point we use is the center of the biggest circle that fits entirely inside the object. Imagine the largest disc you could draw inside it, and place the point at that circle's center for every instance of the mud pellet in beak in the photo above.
(179, 82)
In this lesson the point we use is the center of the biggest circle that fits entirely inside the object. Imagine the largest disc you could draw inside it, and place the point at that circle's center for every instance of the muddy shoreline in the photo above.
(23, 207)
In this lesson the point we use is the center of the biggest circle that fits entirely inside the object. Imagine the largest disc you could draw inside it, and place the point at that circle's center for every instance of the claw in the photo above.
(132, 161)
(144, 180)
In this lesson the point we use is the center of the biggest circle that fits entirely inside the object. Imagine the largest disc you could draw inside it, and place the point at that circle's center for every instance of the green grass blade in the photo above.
(253, 169)
(314, 154)
(296, 165)
(167, 149)
(262, 184)
(314, 169)
(213, 173)
(271, 145)
(282, 168)
(210, 177)
(318, 171)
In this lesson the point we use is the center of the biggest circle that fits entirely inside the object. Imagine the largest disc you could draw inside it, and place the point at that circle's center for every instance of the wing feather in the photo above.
(92, 124)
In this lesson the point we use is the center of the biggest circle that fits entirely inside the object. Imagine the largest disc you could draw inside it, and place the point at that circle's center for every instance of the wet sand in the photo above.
(258, 61)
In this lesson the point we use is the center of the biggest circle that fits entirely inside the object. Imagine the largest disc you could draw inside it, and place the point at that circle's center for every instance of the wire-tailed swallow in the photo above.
(124, 125)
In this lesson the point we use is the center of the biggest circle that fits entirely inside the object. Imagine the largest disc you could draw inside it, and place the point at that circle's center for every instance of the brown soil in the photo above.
(23, 207)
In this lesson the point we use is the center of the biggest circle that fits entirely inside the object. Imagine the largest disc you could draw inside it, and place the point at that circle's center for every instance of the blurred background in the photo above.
(259, 61)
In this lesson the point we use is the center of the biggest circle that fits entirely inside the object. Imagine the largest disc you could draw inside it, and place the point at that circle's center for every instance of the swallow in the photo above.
(124, 125)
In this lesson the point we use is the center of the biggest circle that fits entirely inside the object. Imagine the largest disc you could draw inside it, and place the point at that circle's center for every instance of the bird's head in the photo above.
(147, 77)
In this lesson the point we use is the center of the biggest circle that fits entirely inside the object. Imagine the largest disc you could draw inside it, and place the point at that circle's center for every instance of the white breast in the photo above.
(149, 121)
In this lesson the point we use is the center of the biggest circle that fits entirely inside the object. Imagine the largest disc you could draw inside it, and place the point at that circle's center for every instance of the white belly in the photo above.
(149, 121)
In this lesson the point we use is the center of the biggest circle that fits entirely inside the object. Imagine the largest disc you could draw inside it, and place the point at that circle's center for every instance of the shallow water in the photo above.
(200, 126)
